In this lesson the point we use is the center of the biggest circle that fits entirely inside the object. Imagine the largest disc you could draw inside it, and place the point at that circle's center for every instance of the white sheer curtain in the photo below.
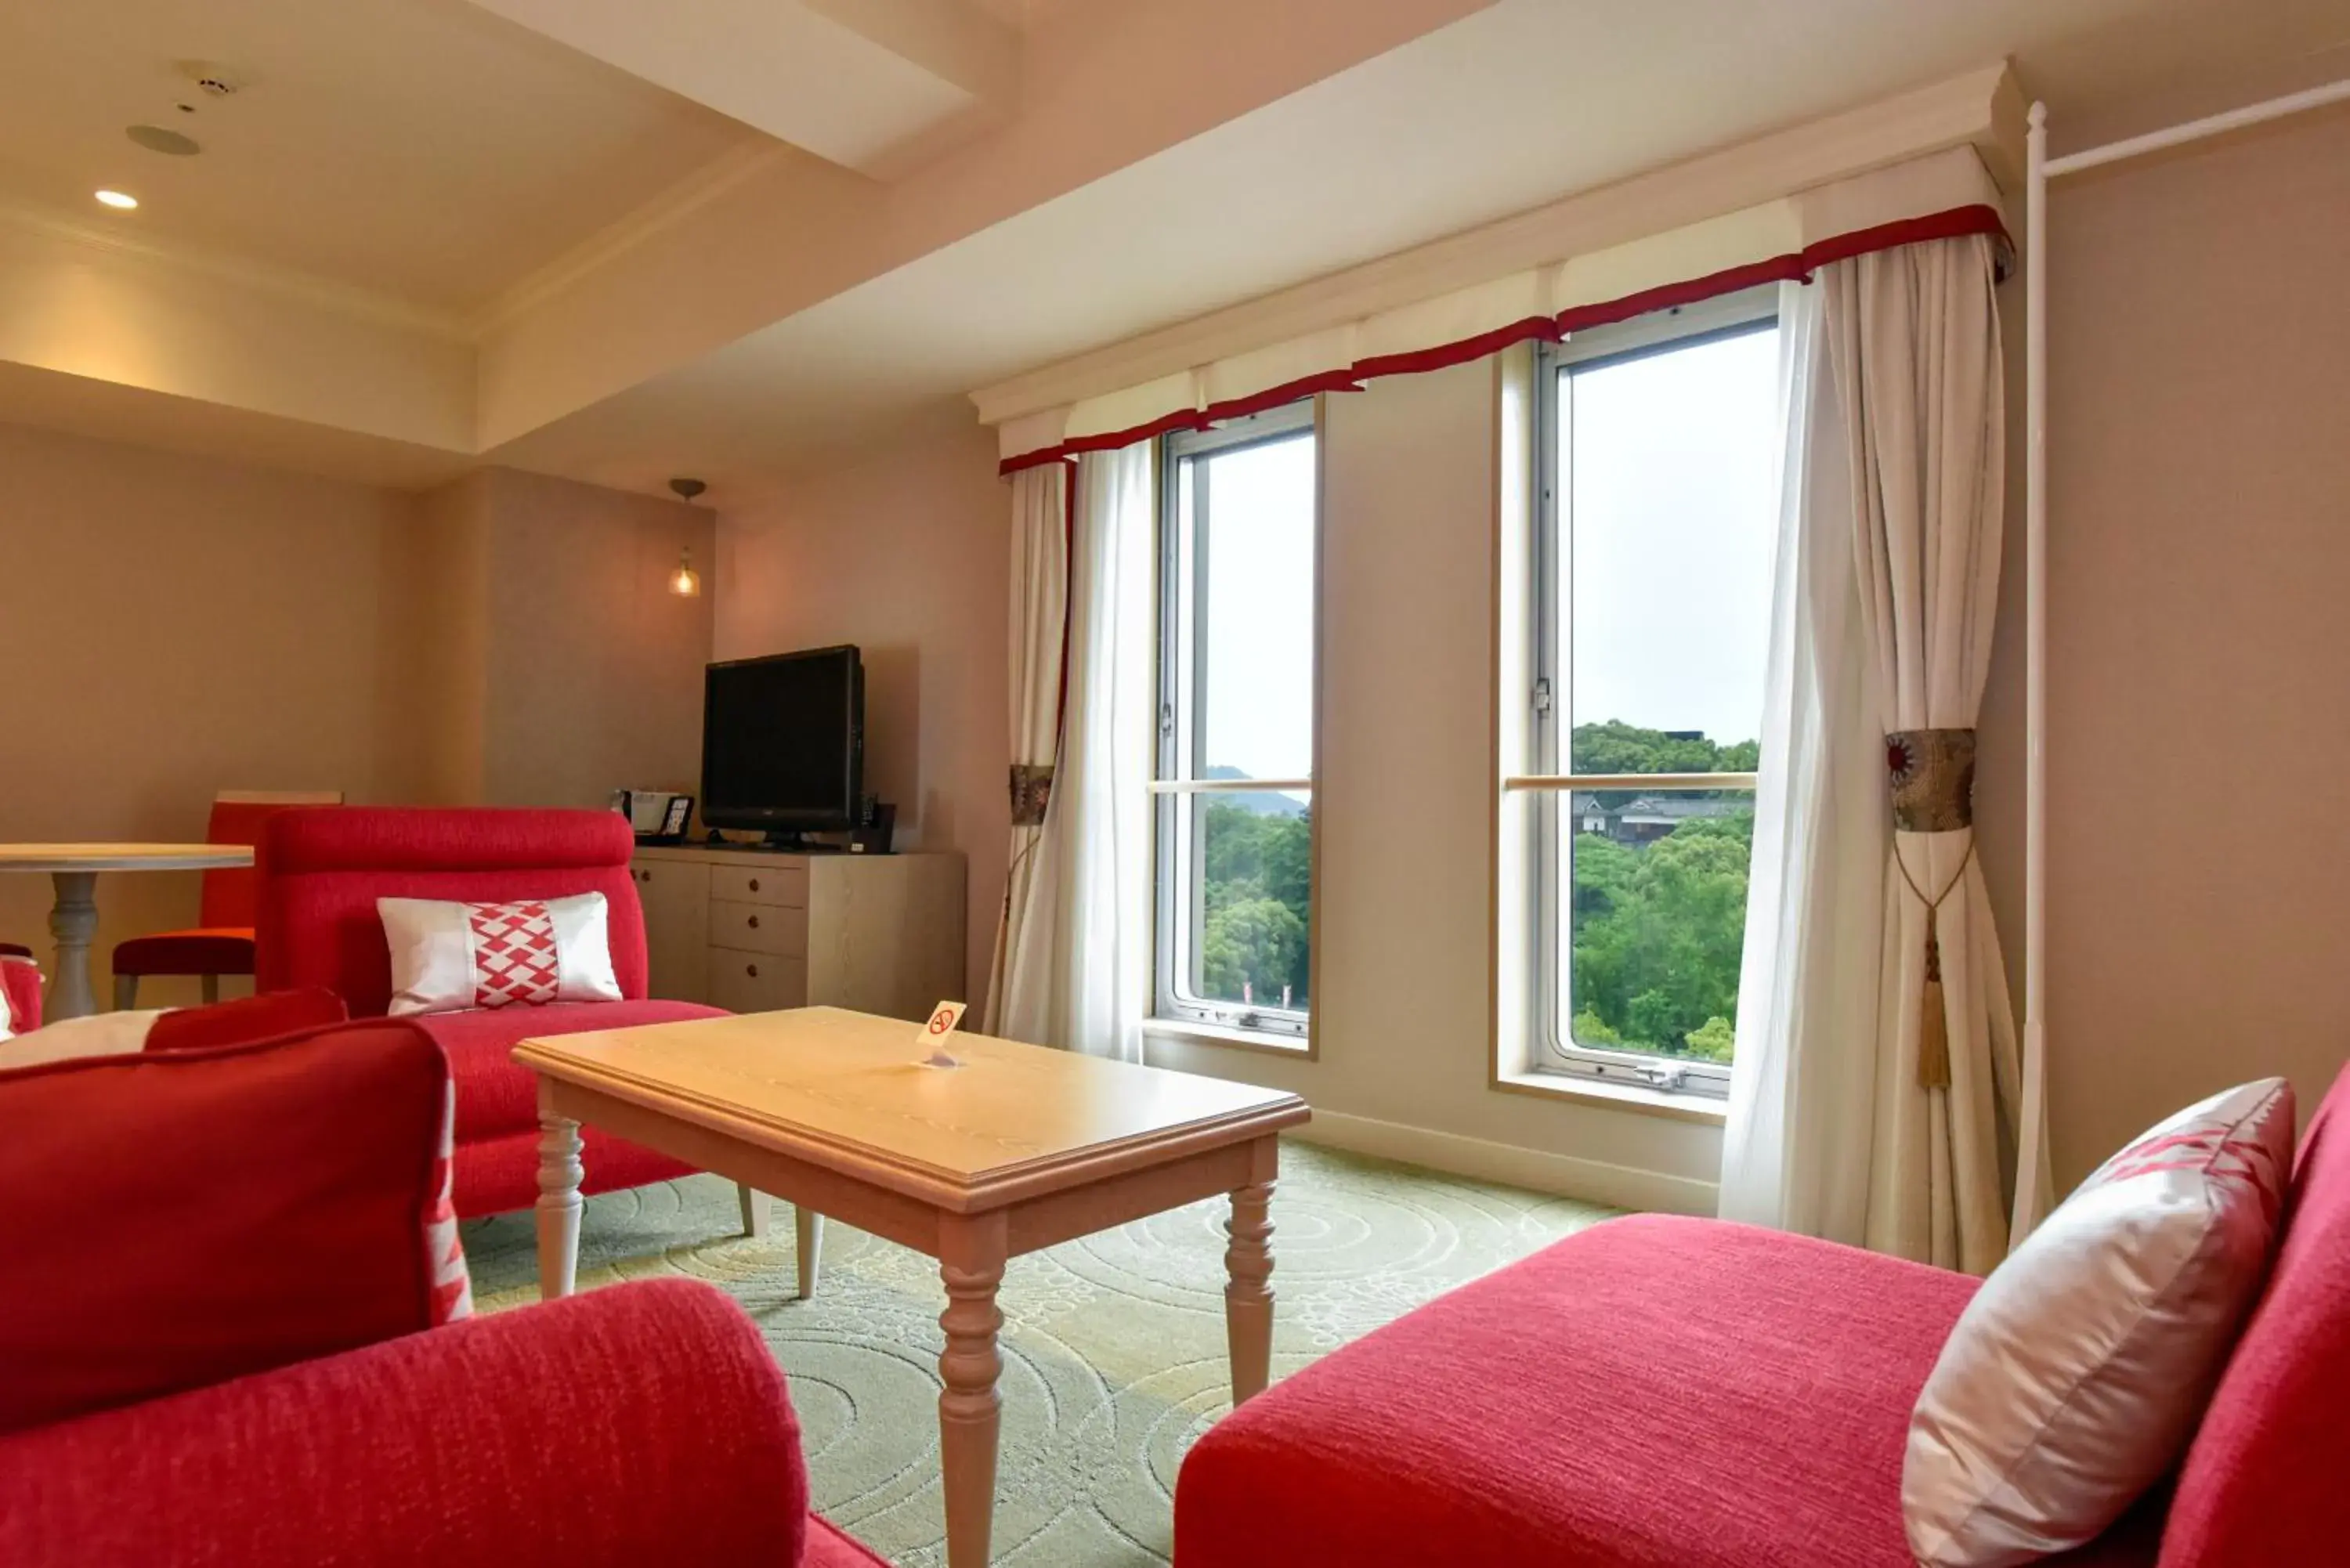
(1875, 1096)
(1088, 985)
(1040, 588)
(1796, 1154)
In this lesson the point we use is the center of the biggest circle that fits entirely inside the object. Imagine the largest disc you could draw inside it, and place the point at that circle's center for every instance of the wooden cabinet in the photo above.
(676, 900)
(756, 932)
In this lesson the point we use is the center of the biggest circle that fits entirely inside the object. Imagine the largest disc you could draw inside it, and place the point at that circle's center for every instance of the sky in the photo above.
(1670, 509)
(1259, 700)
(1670, 512)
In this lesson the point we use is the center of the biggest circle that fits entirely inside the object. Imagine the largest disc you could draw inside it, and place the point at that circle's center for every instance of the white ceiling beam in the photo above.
(849, 80)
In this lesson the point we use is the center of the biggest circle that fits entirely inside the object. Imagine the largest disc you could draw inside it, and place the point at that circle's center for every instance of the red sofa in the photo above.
(237, 1370)
(1670, 1393)
(323, 870)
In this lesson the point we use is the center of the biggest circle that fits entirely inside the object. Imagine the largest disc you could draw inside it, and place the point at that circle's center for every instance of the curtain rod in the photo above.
(2195, 130)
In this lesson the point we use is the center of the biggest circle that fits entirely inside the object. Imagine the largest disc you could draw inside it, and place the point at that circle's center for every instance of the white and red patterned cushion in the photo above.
(2074, 1378)
(445, 1248)
(450, 957)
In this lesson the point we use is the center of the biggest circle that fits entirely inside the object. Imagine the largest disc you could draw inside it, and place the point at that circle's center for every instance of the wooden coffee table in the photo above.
(1019, 1148)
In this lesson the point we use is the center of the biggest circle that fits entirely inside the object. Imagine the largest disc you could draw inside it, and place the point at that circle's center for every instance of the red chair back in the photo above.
(322, 871)
(21, 981)
(231, 894)
(2262, 1482)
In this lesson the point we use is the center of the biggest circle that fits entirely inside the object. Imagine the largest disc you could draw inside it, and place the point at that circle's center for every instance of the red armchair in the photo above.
(1658, 1391)
(321, 873)
(221, 942)
(235, 1370)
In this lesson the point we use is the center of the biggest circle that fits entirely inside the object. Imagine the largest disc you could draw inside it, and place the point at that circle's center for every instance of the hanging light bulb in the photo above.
(685, 582)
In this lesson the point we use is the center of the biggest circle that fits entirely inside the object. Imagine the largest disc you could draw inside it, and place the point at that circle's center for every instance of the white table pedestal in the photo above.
(73, 918)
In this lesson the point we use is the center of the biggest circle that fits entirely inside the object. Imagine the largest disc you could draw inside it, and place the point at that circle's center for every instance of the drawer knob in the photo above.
(755, 922)
(752, 970)
(754, 883)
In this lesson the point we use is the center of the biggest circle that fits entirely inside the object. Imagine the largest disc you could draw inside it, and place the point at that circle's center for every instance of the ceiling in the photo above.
(679, 295)
(425, 148)
(1508, 111)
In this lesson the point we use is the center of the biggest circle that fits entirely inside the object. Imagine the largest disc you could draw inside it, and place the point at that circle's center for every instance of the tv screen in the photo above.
(782, 741)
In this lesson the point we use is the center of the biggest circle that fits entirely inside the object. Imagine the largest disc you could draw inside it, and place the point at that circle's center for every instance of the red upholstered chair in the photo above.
(1667, 1393)
(322, 872)
(244, 1368)
(221, 942)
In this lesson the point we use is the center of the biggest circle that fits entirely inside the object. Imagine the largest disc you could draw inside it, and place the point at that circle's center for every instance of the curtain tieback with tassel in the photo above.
(1032, 792)
(1933, 779)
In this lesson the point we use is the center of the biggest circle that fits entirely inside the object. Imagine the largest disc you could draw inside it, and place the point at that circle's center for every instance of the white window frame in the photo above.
(1180, 912)
(1549, 720)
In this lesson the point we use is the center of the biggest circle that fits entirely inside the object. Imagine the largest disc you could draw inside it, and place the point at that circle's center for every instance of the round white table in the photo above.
(73, 868)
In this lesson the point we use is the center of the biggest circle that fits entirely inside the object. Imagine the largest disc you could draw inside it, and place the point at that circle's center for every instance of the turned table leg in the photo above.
(1248, 1297)
(971, 1261)
(559, 1203)
(72, 920)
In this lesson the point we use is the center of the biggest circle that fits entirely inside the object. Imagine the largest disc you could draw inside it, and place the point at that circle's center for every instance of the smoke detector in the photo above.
(211, 80)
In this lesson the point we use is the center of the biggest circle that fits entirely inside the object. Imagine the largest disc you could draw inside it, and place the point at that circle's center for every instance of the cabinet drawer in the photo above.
(785, 884)
(756, 982)
(759, 927)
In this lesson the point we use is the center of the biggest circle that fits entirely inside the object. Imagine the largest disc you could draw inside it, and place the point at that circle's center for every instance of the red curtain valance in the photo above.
(1793, 266)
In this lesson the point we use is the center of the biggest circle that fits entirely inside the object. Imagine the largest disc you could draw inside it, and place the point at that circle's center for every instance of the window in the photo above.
(1654, 552)
(1238, 519)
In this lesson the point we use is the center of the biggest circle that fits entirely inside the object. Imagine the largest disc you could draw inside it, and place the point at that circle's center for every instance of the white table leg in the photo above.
(807, 1246)
(559, 1203)
(72, 920)
(755, 1208)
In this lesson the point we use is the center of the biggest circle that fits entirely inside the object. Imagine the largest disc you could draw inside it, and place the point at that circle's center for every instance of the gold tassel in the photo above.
(1934, 1027)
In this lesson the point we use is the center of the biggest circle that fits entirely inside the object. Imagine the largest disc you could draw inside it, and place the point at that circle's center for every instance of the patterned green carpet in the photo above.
(1113, 1347)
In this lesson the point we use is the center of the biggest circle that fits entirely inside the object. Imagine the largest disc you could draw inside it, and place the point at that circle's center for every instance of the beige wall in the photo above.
(433, 691)
(535, 654)
(906, 552)
(168, 626)
(2200, 649)
(595, 667)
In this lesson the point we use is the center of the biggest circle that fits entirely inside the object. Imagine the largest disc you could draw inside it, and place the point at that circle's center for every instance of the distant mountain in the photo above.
(1267, 802)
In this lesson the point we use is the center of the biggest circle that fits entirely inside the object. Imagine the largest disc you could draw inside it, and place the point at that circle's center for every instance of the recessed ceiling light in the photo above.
(118, 199)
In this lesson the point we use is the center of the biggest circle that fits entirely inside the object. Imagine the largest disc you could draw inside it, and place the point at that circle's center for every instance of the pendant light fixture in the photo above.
(685, 582)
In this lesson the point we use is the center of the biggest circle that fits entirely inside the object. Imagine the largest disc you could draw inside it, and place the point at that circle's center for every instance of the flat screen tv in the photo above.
(782, 742)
